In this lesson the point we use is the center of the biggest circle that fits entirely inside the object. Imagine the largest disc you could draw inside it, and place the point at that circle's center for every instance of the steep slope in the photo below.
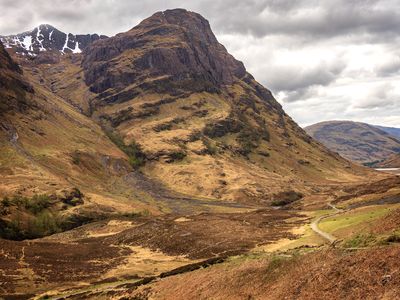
(47, 38)
(393, 131)
(14, 90)
(359, 142)
(48, 150)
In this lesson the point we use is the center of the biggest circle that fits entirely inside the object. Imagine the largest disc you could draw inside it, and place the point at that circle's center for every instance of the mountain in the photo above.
(47, 38)
(358, 142)
(187, 113)
(205, 125)
(393, 131)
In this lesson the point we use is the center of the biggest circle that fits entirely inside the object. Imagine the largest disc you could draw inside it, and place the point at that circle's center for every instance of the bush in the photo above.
(133, 150)
(285, 198)
(6, 202)
(44, 224)
(177, 155)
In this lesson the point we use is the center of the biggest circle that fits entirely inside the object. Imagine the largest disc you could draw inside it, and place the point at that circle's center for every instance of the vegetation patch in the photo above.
(135, 154)
(37, 216)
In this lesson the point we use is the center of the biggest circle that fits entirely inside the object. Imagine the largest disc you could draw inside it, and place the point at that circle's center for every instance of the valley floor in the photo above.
(239, 253)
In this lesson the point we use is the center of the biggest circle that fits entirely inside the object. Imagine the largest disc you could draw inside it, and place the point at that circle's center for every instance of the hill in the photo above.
(358, 142)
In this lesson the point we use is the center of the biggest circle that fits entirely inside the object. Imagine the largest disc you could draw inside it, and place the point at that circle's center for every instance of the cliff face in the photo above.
(172, 47)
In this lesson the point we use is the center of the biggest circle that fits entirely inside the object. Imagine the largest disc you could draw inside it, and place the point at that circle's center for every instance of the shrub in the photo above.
(6, 202)
(44, 224)
(178, 155)
(285, 198)
(133, 150)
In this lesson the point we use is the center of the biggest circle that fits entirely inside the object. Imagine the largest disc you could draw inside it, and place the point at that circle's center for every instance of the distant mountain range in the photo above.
(359, 142)
(48, 38)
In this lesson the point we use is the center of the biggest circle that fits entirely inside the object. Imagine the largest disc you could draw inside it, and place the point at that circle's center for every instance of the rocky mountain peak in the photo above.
(193, 23)
(177, 44)
(46, 37)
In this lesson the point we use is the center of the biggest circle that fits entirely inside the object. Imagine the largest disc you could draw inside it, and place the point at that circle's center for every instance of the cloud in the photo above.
(379, 97)
(322, 59)
(289, 78)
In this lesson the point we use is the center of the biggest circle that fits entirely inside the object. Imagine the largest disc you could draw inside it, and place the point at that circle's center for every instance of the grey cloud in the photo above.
(389, 67)
(315, 19)
(297, 80)
(381, 97)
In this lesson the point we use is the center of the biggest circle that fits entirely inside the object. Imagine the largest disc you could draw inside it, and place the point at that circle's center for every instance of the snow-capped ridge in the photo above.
(46, 37)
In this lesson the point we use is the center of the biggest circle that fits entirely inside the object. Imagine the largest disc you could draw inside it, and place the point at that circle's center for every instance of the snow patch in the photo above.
(66, 44)
(40, 41)
(27, 42)
(77, 49)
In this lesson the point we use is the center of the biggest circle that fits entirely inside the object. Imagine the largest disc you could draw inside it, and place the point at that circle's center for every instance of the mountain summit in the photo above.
(46, 38)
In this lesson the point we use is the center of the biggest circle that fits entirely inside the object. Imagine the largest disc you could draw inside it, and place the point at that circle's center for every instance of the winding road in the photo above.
(316, 229)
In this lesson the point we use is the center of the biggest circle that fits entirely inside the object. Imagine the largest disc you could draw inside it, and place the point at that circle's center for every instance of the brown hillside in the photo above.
(206, 126)
(358, 142)
(48, 148)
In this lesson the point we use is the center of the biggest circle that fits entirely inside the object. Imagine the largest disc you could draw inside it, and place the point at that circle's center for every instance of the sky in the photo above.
(323, 60)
